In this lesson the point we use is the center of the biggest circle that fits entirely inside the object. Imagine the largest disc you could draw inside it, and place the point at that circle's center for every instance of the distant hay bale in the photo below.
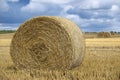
(48, 43)
(104, 35)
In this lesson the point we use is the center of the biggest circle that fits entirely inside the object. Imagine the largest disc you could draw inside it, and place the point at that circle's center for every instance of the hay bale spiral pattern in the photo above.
(47, 43)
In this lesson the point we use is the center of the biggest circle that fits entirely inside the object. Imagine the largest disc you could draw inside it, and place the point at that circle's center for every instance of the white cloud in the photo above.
(65, 9)
(3, 6)
(34, 7)
(52, 1)
(42, 5)
(90, 4)
(75, 18)
(115, 8)
(114, 11)
(115, 25)
(96, 20)
(64, 13)
(93, 15)
(95, 4)
(13, 0)
(100, 24)
(5, 26)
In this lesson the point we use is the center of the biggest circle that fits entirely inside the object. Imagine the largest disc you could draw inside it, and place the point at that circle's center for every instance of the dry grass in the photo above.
(101, 64)
(6, 36)
(5, 42)
(103, 42)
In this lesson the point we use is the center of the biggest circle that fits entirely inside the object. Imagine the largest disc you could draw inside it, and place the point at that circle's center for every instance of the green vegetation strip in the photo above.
(6, 31)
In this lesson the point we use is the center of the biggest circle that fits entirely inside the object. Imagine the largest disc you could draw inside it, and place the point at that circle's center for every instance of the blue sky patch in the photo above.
(90, 15)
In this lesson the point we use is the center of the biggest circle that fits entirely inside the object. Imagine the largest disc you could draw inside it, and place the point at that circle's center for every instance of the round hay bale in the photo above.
(48, 43)
(104, 35)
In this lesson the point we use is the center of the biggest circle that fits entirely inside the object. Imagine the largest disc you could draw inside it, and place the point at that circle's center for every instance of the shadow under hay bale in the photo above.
(104, 35)
(48, 43)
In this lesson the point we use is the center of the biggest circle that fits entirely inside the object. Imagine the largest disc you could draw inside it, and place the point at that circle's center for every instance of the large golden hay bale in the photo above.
(103, 35)
(48, 43)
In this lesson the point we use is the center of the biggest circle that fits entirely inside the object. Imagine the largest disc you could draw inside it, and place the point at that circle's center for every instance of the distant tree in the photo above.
(6, 31)
(104, 35)
(113, 32)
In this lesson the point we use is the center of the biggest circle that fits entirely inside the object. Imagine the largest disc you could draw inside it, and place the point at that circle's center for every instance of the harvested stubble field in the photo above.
(101, 62)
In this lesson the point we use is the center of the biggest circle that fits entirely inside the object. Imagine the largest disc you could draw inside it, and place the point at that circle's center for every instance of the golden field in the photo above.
(101, 62)
(103, 42)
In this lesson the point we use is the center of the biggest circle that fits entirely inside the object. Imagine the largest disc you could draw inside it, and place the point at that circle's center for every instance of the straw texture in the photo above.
(3, 76)
(48, 43)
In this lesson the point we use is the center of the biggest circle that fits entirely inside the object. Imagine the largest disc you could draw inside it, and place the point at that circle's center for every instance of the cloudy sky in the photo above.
(90, 15)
